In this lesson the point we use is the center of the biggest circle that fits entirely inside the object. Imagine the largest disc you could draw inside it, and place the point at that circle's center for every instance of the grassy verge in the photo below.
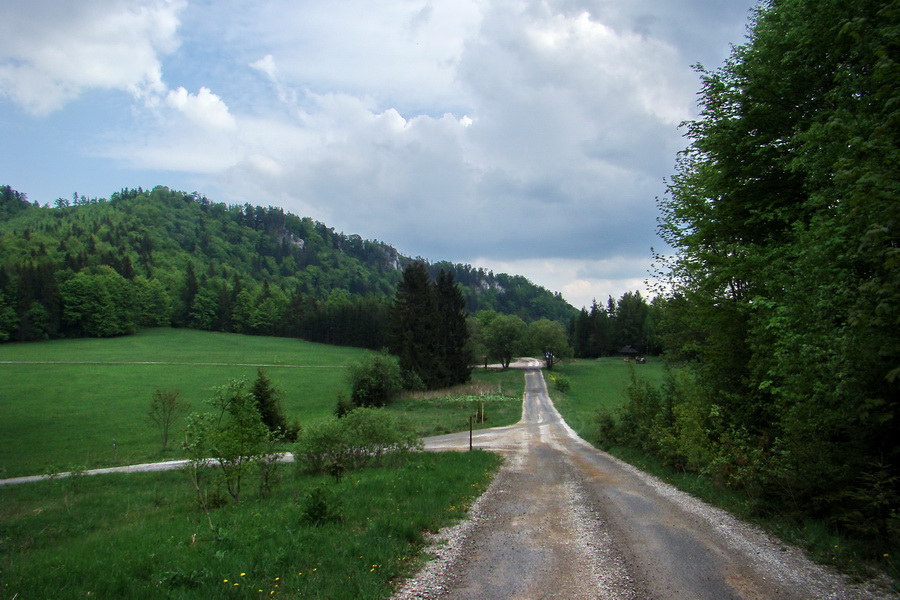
(84, 402)
(142, 536)
(496, 394)
(596, 384)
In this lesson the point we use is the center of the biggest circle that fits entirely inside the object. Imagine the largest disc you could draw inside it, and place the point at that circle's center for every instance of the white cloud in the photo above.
(267, 66)
(51, 51)
(203, 108)
(532, 135)
(580, 281)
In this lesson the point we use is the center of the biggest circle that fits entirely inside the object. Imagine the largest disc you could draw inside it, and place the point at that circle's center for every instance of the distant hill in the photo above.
(101, 267)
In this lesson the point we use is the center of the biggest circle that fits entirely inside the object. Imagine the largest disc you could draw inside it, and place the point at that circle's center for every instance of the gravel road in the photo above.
(564, 520)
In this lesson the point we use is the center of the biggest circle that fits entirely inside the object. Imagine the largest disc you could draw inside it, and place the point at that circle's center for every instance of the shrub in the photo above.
(320, 507)
(375, 380)
(363, 436)
(343, 407)
(562, 383)
(232, 437)
(606, 429)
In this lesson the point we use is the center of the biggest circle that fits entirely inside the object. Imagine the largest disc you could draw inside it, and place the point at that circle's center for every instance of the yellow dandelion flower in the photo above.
(242, 574)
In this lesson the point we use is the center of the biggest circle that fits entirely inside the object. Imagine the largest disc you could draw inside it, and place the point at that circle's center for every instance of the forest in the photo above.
(104, 267)
(783, 297)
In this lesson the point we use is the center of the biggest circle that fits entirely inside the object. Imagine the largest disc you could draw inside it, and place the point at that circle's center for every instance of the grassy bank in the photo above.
(142, 535)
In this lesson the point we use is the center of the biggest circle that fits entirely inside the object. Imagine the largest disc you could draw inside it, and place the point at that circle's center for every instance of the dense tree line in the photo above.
(785, 291)
(102, 267)
(604, 330)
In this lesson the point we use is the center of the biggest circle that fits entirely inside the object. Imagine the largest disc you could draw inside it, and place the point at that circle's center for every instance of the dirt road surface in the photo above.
(564, 520)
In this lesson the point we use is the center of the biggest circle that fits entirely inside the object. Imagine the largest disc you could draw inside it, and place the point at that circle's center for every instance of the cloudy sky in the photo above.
(526, 136)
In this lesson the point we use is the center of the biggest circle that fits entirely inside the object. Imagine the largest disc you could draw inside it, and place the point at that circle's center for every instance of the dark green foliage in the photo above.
(194, 263)
(321, 506)
(364, 436)
(630, 321)
(413, 326)
(269, 402)
(503, 336)
(785, 292)
(344, 405)
(429, 333)
(452, 331)
(547, 340)
(374, 381)
(12, 202)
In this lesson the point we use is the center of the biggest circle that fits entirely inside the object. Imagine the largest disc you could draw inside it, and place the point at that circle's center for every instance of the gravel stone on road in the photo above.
(564, 520)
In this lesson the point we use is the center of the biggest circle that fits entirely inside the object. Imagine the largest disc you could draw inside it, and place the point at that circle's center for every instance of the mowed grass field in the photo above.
(74, 404)
(596, 384)
(84, 402)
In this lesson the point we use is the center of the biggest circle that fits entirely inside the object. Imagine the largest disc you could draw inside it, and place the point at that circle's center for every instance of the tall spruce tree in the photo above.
(414, 338)
(453, 332)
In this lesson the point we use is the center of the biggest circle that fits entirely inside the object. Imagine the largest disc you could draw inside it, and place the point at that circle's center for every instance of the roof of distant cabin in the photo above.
(628, 350)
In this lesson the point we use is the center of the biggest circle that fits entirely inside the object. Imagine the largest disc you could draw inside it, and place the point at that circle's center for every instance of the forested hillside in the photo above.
(104, 267)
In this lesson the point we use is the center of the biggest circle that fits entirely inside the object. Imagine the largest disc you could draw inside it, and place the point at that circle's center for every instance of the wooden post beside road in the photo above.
(471, 426)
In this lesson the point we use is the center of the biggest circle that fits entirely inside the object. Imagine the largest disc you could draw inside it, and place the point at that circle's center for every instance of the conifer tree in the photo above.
(453, 332)
(414, 326)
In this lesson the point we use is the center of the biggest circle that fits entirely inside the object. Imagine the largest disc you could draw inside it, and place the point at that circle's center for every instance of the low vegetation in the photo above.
(493, 399)
(142, 535)
(346, 520)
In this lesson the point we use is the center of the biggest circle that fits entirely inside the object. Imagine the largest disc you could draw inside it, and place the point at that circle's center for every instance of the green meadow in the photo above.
(596, 384)
(84, 402)
(142, 535)
(63, 404)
